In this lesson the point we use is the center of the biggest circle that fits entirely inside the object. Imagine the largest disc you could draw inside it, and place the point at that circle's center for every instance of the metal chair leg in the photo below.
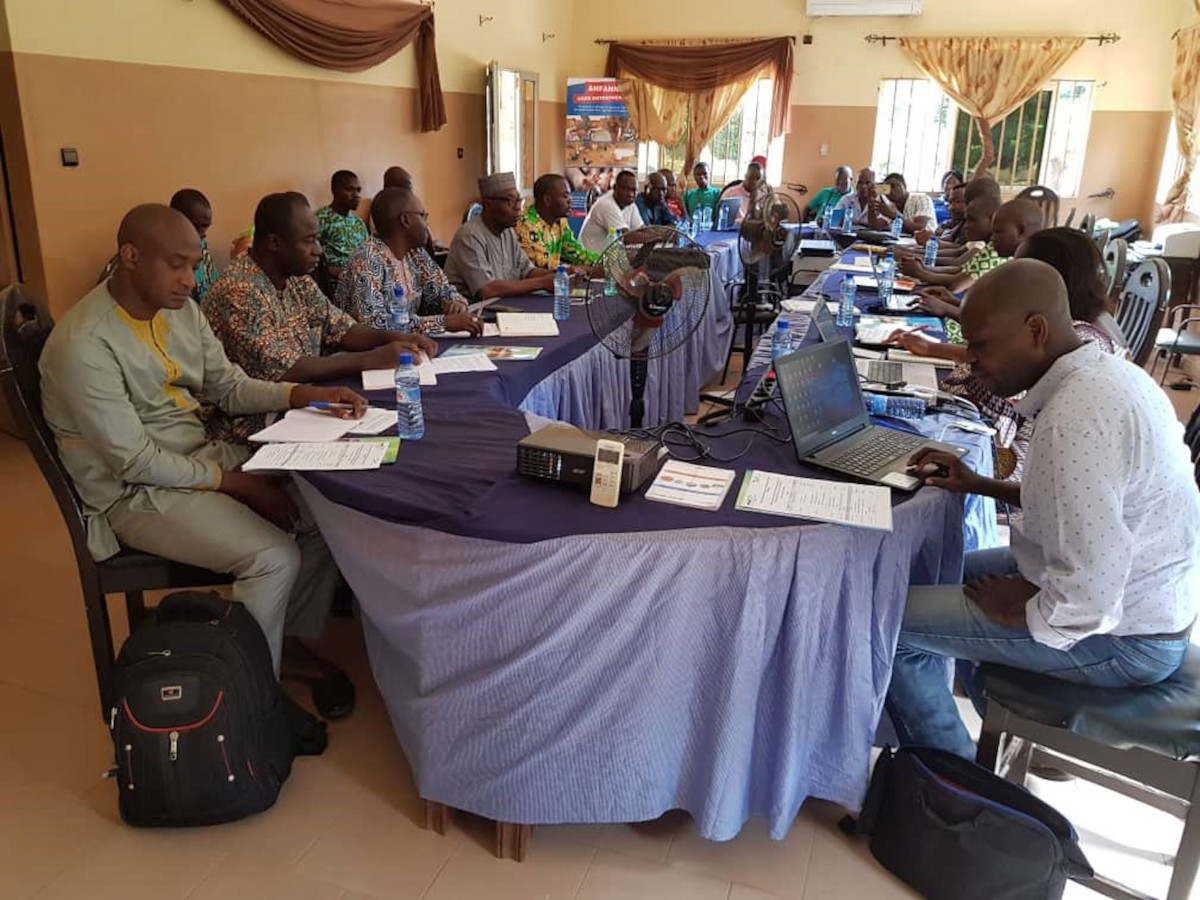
(135, 608)
(1187, 859)
(987, 751)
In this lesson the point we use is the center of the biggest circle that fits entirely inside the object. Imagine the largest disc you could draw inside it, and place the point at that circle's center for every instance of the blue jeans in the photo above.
(942, 624)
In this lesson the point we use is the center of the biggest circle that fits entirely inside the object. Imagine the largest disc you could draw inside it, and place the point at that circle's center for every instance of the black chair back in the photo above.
(721, 196)
(1114, 264)
(1143, 305)
(1046, 200)
(1088, 225)
(26, 325)
(1191, 435)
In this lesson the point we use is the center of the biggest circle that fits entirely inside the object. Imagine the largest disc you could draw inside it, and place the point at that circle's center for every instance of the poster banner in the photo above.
(600, 141)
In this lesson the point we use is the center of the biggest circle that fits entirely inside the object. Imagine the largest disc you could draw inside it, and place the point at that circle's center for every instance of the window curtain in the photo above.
(695, 88)
(353, 35)
(1185, 94)
(989, 77)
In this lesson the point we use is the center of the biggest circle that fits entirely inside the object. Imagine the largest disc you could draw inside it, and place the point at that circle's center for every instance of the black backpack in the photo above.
(202, 731)
(954, 831)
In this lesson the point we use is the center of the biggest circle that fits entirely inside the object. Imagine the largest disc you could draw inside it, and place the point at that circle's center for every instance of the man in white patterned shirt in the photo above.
(1102, 580)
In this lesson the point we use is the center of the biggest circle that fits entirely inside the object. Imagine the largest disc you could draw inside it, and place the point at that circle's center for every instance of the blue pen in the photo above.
(325, 404)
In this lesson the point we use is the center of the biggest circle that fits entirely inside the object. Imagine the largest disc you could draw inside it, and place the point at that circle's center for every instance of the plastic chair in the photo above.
(1141, 742)
(1046, 199)
(1114, 264)
(1143, 305)
(1088, 225)
(1177, 339)
(23, 331)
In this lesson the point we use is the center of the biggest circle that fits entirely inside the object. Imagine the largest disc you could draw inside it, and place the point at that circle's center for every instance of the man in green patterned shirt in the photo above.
(341, 230)
(544, 232)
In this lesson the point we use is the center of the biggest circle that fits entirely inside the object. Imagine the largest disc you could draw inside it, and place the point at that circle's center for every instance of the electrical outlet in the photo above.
(460, 152)
(807, 39)
(824, 151)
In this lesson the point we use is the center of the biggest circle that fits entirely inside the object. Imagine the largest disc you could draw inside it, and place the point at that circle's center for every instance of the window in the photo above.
(919, 131)
(743, 137)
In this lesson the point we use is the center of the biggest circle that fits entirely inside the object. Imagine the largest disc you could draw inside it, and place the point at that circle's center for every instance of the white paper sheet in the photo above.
(527, 324)
(898, 355)
(859, 505)
(472, 362)
(700, 487)
(304, 425)
(374, 421)
(490, 329)
(333, 456)
(385, 379)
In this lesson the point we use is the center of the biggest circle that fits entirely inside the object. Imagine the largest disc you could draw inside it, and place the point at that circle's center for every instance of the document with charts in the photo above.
(859, 505)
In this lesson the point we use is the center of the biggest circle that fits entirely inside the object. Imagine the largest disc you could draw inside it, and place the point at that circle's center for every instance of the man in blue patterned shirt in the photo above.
(397, 255)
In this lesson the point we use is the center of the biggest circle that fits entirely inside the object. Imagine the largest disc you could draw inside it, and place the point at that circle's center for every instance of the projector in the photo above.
(566, 454)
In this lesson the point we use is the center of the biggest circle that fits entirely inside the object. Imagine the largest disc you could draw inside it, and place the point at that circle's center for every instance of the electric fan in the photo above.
(654, 296)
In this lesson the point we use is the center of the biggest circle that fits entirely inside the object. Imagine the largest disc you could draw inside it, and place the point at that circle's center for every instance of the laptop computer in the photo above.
(876, 371)
(830, 425)
(732, 206)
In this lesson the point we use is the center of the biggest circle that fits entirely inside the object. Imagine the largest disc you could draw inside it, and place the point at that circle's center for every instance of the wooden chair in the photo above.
(1046, 200)
(1115, 255)
(24, 327)
(1141, 742)
(1143, 305)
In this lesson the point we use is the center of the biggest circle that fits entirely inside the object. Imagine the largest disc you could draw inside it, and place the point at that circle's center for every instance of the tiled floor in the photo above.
(345, 825)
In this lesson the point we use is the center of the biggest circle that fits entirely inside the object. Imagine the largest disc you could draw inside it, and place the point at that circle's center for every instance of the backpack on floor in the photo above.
(954, 831)
(202, 731)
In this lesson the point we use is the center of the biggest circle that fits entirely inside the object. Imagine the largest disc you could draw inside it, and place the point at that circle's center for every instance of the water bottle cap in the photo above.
(398, 291)
(562, 269)
(406, 359)
(783, 323)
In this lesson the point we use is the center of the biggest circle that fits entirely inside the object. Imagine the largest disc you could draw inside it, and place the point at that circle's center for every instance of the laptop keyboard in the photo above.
(884, 372)
(883, 446)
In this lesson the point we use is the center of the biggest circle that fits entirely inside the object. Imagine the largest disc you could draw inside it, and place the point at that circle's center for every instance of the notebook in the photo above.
(526, 324)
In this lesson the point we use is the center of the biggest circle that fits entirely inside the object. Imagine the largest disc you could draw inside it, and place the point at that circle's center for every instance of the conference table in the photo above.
(544, 660)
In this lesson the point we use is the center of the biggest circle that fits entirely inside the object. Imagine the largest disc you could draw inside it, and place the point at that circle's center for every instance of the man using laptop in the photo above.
(1101, 583)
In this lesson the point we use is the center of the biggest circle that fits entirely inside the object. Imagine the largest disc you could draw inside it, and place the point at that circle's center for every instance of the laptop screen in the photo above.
(826, 326)
(821, 395)
(732, 206)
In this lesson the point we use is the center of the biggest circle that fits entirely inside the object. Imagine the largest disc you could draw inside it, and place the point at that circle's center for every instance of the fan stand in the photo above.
(639, 367)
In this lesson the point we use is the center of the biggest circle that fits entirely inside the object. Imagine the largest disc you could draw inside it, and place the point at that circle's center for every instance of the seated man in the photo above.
(673, 200)
(543, 231)
(486, 259)
(864, 206)
(652, 202)
(703, 195)
(752, 191)
(195, 206)
(915, 207)
(613, 213)
(1102, 580)
(275, 322)
(341, 229)
(122, 377)
(398, 177)
(830, 196)
(952, 235)
(396, 255)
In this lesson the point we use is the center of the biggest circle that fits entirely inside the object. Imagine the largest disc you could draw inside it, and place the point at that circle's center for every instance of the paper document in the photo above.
(304, 425)
(333, 456)
(490, 329)
(684, 484)
(876, 332)
(385, 379)
(859, 505)
(526, 324)
(390, 444)
(860, 265)
(520, 354)
(801, 305)
(457, 362)
(374, 421)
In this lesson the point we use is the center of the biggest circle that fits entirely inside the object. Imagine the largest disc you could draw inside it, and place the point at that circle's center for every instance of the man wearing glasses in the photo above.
(486, 260)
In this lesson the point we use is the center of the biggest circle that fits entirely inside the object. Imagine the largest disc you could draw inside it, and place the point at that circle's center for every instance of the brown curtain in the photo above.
(696, 88)
(989, 77)
(1185, 92)
(352, 35)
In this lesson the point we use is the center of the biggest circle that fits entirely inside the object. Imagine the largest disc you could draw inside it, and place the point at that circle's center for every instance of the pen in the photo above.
(325, 404)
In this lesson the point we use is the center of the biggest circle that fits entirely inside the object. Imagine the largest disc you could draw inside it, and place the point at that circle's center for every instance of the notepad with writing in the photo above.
(526, 324)
(335, 456)
(858, 505)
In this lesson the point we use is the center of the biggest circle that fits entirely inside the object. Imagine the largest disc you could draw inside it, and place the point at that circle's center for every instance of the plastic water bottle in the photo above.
(410, 417)
(827, 217)
(897, 227)
(848, 220)
(398, 309)
(845, 313)
(781, 343)
(562, 294)
(895, 407)
(887, 278)
(705, 218)
(723, 218)
(931, 252)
